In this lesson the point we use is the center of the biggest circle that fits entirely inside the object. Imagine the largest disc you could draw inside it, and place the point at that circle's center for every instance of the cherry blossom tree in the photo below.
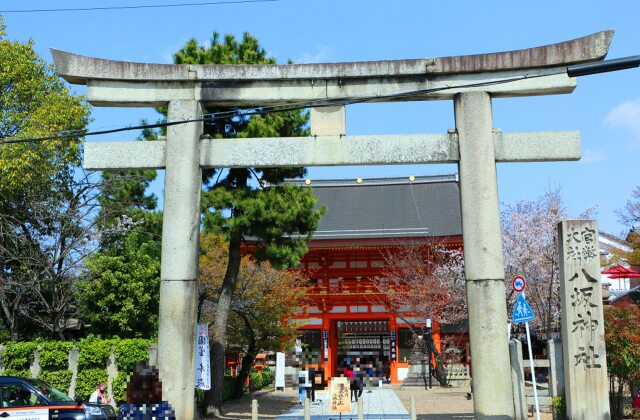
(425, 281)
(530, 242)
(530, 249)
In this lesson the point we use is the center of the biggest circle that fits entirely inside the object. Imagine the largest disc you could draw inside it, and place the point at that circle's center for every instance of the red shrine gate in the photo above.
(347, 318)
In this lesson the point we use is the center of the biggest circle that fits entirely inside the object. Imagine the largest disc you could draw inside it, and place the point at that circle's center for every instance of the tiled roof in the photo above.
(388, 207)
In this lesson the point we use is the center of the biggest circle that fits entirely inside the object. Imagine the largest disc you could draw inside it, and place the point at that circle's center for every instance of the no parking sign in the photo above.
(519, 284)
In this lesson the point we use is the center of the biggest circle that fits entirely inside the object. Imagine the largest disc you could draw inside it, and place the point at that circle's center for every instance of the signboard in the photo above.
(280, 370)
(303, 379)
(522, 311)
(27, 414)
(322, 396)
(519, 284)
(203, 367)
(392, 341)
(340, 396)
(325, 344)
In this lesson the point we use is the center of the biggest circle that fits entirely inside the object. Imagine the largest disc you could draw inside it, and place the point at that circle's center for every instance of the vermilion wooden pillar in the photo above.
(393, 364)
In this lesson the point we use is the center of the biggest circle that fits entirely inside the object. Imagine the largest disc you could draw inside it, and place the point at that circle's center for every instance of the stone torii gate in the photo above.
(470, 81)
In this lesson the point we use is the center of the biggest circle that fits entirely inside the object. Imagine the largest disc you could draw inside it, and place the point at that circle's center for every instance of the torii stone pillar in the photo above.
(470, 81)
(483, 260)
(179, 258)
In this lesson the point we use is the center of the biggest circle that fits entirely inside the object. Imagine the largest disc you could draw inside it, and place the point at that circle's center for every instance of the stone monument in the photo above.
(583, 347)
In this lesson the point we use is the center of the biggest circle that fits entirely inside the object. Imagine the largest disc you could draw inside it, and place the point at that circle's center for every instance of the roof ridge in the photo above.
(405, 180)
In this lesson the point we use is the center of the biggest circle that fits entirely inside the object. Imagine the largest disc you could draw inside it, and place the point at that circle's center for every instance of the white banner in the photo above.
(279, 370)
(203, 367)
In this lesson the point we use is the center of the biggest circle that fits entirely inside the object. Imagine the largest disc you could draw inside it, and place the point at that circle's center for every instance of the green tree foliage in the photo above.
(120, 289)
(270, 213)
(126, 205)
(34, 102)
(249, 202)
(121, 297)
(44, 204)
(622, 338)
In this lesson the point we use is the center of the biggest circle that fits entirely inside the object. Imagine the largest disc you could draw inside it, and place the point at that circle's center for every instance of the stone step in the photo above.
(416, 380)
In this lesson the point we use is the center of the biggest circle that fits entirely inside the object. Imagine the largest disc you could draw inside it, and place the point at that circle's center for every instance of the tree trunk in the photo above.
(620, 396)
(440, 371)
(13, 329)
(213, 397)
(247, 360)
(8, 315)
(12, 316)
(550, 297)
(616, 387)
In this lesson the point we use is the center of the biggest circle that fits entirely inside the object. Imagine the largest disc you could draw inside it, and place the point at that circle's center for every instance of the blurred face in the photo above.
(102, 387)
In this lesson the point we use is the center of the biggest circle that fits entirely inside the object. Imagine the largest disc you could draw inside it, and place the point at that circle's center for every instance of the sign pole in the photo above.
(522, 312)
(533, 372)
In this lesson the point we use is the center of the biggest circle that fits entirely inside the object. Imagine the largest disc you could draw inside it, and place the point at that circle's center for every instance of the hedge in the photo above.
(92, 362)
(267, 377)
(59, 379)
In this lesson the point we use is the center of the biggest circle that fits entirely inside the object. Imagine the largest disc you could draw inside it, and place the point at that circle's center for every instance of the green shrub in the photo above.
(94, 353)
(267, 377)
(54, 355)
(22, 373)
(60, 379)
(559, 407)
(227, 392)
(93, 356)
(255, 381)
(87, 381)
(119, 386)
(227, 388)
(200, 400)
(18, 356)
(130, 352)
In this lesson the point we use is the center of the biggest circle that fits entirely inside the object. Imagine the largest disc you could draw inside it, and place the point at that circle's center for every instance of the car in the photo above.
(33, 399)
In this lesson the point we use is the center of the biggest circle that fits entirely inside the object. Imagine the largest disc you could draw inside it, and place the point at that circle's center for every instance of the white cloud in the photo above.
(321, 54)
(626, 115)
(592, 156)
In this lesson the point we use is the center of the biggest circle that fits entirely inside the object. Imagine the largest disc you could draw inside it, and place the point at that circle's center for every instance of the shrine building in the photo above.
(365, 220)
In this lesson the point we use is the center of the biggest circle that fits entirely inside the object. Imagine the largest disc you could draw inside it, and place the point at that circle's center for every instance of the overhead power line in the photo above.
(144, 6)
(269, 110)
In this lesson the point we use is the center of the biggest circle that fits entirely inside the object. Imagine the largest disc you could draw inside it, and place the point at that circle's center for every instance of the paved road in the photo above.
(378, 404)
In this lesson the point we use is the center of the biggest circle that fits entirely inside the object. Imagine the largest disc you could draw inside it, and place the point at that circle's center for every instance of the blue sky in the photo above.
(605, 108)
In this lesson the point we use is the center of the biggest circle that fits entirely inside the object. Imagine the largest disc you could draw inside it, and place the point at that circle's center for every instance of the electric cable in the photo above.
(147, 6)
(320, 103)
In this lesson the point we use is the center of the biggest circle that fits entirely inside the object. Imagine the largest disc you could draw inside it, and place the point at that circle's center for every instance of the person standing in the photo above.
(303, 384)
(144, 397)
(317, 384)
(356, 384)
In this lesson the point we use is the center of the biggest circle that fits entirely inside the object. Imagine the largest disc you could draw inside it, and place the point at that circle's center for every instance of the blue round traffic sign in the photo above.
(519, 284)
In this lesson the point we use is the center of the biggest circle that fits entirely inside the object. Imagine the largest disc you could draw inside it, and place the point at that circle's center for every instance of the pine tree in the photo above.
(243, 203)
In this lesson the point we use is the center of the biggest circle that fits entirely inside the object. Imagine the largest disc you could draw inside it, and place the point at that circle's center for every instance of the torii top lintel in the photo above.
(346, 78)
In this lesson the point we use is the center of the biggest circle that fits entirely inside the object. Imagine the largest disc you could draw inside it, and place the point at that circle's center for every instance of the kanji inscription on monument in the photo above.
(583, 346)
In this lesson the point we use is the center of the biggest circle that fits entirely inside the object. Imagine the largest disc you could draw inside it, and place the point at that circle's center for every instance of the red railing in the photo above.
(344, 287)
